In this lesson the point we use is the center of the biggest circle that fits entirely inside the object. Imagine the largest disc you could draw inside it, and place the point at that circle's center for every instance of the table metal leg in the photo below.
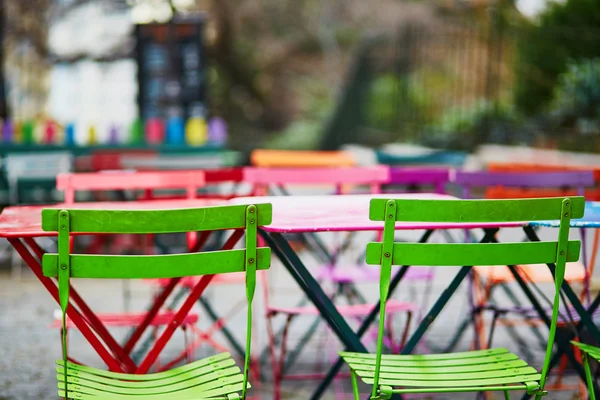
(313, 291)
(544, 317)
(575, 302)
(185, 308)
(578, 328)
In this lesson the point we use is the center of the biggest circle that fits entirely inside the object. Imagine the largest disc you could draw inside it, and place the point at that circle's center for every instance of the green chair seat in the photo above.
(210, 378)
(494, 369)
(588, 351)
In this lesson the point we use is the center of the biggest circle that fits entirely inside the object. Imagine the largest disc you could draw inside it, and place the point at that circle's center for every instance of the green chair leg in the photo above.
(588, 375)
(355, 385)
(506, 395)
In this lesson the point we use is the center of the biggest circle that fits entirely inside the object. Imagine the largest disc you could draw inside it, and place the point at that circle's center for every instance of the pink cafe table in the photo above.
(350, 213)
(22, 225)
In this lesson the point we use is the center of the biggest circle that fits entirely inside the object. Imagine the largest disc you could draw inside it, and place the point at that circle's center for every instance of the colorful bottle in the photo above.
(175, 133)
(27, 131)
(70, 134)
(49, 136)
(155, 131)
(7, 131)
(18, 132)
(136, 132)
(92, 136)
(217, 131)
(196, 131)
(113, 135)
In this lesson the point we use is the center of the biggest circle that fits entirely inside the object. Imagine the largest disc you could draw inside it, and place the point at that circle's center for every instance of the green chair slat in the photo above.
(190, 394)
(210, 381)
(589, 349)
(483, 370)
(401, 381)
(519, 210)
(429, 357)
(485, 254)
(74, 369)
(159, 266)
(215, 377)
(200, 375)
(455, 377)
(156, 221)
(418, 369)
(435, 362)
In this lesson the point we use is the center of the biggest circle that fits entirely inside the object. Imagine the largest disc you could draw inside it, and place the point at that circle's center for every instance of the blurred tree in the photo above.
(565, 32)
(26, 51)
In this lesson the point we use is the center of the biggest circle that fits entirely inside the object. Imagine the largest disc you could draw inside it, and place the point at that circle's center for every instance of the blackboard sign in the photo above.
(171, 69)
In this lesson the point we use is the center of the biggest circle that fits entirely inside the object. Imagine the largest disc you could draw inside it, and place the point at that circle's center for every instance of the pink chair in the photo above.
(344, 180)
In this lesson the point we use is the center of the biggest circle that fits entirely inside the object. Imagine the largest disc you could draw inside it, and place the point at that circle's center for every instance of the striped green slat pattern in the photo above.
(156, 221)
(477, 210)
(215, 377)
(485, 370)
(432, 254)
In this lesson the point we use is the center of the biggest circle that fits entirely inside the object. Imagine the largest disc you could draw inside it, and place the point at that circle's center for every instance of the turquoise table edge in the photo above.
(591, 218)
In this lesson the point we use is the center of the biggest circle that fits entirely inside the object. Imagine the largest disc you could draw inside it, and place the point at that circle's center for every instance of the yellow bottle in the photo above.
(92, 138)
(196, 131)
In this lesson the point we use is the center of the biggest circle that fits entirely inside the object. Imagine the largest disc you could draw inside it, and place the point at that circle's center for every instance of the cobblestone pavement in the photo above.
(28, 346)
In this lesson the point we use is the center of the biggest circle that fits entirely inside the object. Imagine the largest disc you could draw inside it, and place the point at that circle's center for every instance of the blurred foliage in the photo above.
(577, 97)
(565, 31)
(398, 105)
(304, 133)
(462, 127)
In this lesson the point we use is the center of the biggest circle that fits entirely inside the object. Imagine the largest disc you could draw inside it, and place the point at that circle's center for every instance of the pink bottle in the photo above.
(155, 131)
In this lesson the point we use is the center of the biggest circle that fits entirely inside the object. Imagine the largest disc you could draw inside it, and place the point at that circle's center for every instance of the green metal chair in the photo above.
(474, 371)
(586, 352)
(215, 377)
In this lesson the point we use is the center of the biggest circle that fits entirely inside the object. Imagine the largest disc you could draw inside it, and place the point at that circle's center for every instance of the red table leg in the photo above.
(112, 363)
(90, 317)
(160, 300)
(193, 297)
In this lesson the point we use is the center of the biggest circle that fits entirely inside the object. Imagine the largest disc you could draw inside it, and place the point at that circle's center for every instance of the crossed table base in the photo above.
(21, 225)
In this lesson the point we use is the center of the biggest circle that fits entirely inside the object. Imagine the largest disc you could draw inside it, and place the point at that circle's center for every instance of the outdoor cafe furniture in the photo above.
(344, 277)
(214, 377)
(475, 371)
(300, 158)
(22, 226)
(487, 279)
(347, 213)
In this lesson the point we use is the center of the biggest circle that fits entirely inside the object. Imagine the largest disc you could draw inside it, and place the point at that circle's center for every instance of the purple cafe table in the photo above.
(349, 213)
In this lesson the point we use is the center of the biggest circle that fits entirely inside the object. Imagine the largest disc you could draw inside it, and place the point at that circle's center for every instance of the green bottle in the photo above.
(27, 131)
(136, 132)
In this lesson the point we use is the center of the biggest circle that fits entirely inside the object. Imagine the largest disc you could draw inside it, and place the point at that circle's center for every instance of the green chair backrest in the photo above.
(65, 265)
(388, 253)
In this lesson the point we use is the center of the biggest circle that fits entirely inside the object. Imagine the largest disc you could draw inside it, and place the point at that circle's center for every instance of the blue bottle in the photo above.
(175, 134)
(70, 134)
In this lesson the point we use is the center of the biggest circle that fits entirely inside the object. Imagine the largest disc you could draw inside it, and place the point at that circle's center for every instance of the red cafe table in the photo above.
(21, 225)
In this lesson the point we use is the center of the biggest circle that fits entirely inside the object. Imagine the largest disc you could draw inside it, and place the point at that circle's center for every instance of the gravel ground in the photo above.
(29, 346)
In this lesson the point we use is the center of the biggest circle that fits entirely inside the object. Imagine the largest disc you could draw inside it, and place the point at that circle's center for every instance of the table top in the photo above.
(591, 218)
(26, 221)
(296, 214)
